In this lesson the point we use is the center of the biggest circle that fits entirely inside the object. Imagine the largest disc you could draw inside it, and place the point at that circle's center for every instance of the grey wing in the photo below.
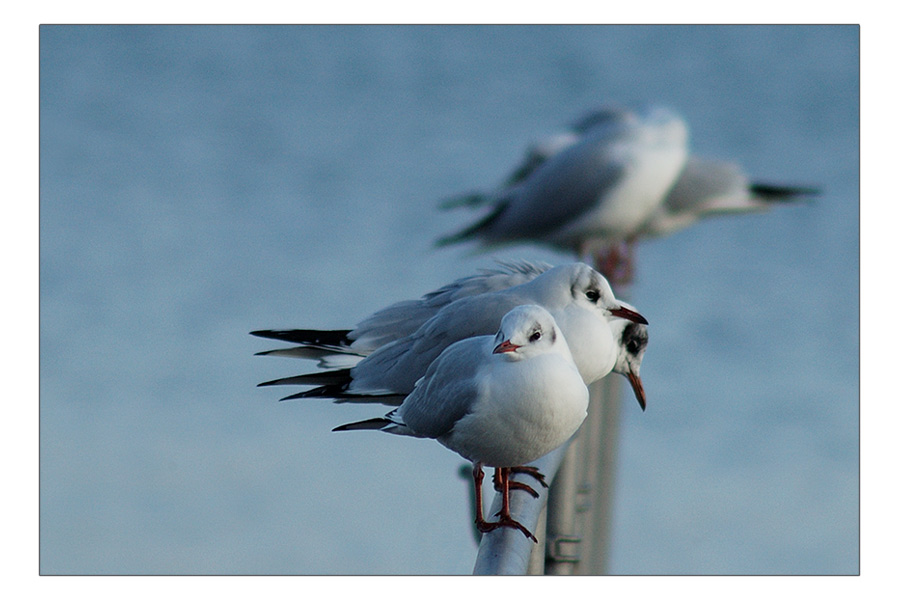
(562, 189)
(535, 156)
(709, 185)
(404, 318)
(539, 153)
(556, 185)
(506, 275)
(397, 366)
(448, 390)
(391, 323)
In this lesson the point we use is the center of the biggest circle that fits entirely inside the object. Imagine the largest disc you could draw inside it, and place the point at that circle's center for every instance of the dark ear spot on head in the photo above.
(634, 337)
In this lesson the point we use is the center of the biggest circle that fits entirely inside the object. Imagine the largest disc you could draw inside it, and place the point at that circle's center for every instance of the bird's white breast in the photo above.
(525, 410)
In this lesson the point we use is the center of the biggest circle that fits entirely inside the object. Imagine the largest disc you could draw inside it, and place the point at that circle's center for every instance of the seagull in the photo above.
(703, 188)
(345, 348)
(500, 401)
(710, 187)
(590, 189)
(579, 298)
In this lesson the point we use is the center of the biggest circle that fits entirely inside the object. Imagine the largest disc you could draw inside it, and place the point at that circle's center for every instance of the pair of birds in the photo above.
(613, 177)
(501, 398)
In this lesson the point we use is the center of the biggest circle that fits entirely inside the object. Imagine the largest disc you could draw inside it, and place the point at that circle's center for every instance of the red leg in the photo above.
(533, 471)
(478, 476)
(514, 485)
(518, 485)
(503, 474)
(615, 262)
(505, 520)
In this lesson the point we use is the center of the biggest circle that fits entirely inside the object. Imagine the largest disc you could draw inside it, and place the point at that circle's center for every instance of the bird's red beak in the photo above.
(638, 388)
(625, 313)
(505, 346)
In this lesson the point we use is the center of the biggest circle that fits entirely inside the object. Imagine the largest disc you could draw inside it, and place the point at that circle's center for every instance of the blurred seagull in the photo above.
(589, 189)
(579, 298)
(500, 401)
(345, 348)
(703, 188)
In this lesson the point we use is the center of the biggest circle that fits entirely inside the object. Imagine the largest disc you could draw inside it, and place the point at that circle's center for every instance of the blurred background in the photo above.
(200, 182)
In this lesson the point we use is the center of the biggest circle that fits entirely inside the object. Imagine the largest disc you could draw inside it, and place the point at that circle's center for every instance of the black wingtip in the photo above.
(783, 193)
(313, 337)
(325, 391)
(376, 424)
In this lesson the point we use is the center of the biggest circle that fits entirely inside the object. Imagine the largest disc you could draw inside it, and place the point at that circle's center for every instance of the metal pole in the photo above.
(579, 509)
(536, 562)
(506, 551)
(563, 543)
(599, 471)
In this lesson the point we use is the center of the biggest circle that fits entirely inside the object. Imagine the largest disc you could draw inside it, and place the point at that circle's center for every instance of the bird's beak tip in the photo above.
(631, 315)
(638, 388)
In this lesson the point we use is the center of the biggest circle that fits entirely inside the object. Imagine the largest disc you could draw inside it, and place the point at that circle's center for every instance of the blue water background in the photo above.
(201, 182)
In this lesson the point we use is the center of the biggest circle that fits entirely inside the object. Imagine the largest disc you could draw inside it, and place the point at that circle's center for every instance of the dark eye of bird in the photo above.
(592, 295)
(535, 336)
(633, 346)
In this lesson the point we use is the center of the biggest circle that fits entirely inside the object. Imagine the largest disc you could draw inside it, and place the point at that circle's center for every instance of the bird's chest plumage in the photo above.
(532, 410)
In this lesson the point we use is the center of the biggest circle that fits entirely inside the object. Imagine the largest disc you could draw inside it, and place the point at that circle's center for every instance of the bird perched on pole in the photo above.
(500, 401)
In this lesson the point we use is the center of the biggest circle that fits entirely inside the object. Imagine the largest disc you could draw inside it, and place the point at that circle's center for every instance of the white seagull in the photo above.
(579, 298)
(500, 401)
(344, 348)
(591, 188)
(703, 188)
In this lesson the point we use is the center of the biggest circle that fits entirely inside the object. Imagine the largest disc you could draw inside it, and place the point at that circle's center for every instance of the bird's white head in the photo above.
(527, 331)
(591, 290)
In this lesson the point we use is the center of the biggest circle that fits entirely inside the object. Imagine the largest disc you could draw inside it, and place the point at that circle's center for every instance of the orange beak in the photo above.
(638, 388)
(505, 346)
